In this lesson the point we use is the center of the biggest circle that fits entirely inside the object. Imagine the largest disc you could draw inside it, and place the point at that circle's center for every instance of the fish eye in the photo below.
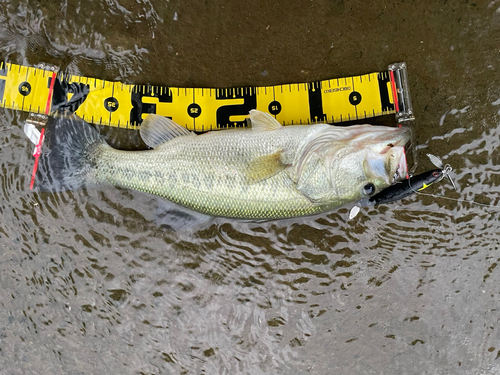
(369, 189)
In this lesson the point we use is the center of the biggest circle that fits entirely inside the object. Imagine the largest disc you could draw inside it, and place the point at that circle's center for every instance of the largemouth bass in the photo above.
(265, 172)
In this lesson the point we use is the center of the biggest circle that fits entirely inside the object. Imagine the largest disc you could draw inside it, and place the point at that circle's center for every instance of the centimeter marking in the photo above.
(200, 109)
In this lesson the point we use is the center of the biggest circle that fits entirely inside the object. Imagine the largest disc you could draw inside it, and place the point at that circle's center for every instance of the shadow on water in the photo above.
(91, 284)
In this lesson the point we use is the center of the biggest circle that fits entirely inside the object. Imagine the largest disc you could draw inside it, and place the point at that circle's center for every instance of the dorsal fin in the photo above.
(262, 121)
(156, 130)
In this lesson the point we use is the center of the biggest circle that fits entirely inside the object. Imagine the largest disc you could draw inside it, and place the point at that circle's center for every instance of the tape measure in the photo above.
(40, 90)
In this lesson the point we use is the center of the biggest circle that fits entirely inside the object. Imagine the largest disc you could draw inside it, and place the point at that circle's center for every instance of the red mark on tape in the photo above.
(394, 92)
(40, 140)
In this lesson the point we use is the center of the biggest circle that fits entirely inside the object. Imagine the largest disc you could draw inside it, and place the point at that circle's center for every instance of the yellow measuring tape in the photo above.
(41, 90)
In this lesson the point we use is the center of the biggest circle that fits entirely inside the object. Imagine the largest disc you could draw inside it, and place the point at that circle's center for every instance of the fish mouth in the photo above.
(396, 150)
(401, 171)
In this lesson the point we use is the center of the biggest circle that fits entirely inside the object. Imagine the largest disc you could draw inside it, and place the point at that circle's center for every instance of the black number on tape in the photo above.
(62, 89)
(383, 80)
(274, 107)
(194, 110)
(225, 112)
(111, 104)
(24, 88)
(354, 98)
(139, 108)
(315, 102)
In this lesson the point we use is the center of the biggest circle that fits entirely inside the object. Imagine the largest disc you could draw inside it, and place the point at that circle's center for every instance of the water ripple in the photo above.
(91, 283)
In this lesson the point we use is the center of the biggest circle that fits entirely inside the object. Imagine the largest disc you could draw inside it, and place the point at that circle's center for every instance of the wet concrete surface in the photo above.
(89, 283)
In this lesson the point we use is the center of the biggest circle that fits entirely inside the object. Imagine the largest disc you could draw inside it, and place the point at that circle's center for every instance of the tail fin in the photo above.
(67, 157)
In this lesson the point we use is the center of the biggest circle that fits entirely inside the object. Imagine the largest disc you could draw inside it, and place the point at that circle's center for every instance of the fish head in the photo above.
(371, 160)
(351, 163)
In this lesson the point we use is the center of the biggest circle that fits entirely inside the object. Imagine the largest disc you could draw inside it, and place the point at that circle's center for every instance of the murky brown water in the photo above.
(89, 283)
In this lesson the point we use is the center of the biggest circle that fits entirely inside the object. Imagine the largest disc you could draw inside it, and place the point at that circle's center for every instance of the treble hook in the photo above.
(447, 169)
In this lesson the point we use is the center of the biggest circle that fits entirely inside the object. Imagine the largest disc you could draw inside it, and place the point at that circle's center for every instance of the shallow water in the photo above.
(90, 284)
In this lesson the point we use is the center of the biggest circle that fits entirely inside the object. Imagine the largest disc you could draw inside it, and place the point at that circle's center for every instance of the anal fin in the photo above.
(174, 217)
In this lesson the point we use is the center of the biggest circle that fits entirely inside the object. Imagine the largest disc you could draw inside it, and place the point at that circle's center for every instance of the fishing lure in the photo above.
(406, 187)
(411, 185)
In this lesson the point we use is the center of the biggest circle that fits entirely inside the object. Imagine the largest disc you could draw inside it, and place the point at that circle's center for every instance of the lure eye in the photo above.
(435, 174)
(369, 189)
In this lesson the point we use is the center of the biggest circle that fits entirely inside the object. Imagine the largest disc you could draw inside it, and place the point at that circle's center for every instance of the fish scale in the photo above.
(204, 173)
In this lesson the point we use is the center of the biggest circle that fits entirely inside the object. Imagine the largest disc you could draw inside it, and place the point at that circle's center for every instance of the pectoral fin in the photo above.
(264, 167)
(156, 130)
